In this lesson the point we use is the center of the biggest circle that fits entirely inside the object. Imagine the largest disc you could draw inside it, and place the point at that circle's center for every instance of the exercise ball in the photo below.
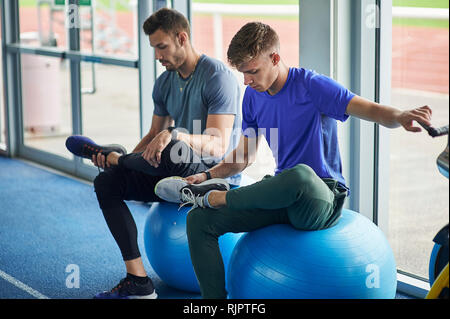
(167, 248)
(352, 259)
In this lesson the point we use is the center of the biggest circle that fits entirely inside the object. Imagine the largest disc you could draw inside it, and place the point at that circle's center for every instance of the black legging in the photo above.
(135, 179)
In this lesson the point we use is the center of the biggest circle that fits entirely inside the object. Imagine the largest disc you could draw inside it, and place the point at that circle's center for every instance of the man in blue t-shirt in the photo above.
(196, 123)
(296, 111)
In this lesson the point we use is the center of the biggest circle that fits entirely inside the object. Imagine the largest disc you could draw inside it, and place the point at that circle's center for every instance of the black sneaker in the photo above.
(129, 289)
(85, 147)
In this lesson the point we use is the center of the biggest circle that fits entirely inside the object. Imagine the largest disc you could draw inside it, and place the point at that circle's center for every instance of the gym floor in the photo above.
(52, 230)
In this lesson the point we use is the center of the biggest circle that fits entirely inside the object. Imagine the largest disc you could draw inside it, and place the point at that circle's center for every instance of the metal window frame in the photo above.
(9, 35)
(3, 116)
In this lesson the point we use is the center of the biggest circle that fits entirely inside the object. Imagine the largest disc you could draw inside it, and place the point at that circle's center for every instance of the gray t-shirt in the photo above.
(212, 89)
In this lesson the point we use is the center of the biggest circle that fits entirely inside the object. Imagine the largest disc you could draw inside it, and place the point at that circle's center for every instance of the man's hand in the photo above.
(421, 114)
(102, 161)
(152, 153)
(196, 179)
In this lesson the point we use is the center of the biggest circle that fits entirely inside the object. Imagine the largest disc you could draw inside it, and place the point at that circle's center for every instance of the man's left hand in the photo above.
(421, 114)
(152, 153)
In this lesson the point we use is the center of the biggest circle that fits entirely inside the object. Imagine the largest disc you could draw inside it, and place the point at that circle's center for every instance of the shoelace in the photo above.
(95, 150)
(188, 197)
(121, 284)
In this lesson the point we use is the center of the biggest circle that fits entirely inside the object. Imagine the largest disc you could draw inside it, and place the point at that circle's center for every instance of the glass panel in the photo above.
(418, 195)
(47, 116)
(110, 115)
(210, 24)
(109, 27)
(212, 31)
(106, 26)
(42, 23)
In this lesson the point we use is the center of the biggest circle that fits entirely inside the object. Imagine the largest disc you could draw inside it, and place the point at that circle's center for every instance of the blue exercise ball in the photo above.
(167, 248)
(352, 259)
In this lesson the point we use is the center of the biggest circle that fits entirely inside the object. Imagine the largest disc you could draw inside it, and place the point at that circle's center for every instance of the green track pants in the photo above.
(296, 196)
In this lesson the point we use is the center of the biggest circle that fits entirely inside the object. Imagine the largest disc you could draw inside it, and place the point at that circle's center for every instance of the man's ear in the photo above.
(275, 58)
(182, 38)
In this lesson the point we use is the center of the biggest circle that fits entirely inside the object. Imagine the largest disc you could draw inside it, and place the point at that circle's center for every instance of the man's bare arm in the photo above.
(216, 138)
(389, 116)
(238, 160)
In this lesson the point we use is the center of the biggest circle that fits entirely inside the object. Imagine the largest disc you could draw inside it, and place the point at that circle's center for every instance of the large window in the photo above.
(106, 26)
(418, 196)
(78, 75)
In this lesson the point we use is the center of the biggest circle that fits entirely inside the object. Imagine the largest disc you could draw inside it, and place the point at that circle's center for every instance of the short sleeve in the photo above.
(221, 94)
(330, 97)
(160, 108)
(249, 121)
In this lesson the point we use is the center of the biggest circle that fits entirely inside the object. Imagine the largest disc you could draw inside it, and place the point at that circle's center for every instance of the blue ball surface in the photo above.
(167, 248)
(353, 260)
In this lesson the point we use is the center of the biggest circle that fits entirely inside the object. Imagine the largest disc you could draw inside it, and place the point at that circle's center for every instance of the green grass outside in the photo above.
(420, 23)
(283, 2)
(421, 3)
(27, 3)
(397, 3)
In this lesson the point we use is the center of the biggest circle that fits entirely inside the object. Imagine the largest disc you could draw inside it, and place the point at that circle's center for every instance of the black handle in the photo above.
(434, 132)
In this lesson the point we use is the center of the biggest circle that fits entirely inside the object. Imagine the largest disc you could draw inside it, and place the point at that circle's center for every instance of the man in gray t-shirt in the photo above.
(196, 122)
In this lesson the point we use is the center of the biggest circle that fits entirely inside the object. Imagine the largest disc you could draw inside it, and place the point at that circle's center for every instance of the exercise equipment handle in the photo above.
(434, 132)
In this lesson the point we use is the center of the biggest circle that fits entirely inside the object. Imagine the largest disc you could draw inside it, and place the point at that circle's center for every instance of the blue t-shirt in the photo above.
(299, 122)
(212, 89)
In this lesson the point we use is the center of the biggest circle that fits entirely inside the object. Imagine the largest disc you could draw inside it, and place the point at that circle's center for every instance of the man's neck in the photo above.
(280, 80)
(186, 69)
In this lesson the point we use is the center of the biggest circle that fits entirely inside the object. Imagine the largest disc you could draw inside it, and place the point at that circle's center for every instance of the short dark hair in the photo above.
(168, 20)
(253, 39)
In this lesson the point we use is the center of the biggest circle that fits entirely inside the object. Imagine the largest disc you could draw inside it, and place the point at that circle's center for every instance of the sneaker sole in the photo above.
(151, 296)
(119, 148)
(215, 181)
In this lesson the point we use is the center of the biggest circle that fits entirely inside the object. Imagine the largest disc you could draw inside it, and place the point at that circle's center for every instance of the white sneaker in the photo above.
(169, 188)
(176, 190)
